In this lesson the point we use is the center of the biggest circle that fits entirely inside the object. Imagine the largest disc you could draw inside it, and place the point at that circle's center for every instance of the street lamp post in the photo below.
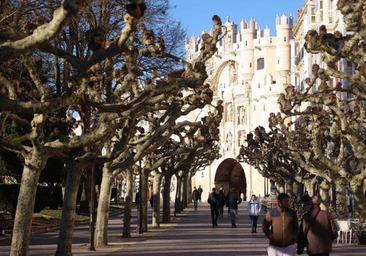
(91, 246)
(139, 214)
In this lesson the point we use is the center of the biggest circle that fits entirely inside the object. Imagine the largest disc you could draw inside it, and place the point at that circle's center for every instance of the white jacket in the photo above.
(254, 207)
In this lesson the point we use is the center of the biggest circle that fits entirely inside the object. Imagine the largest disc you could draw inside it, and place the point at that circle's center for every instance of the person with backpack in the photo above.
(317, 231)
(213, 200)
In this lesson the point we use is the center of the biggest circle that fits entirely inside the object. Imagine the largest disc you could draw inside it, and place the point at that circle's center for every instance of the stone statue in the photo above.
(229, 141)
(229, 112)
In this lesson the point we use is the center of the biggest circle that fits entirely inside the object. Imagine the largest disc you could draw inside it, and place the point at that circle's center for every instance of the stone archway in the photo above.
(230, 173)
(216, 78)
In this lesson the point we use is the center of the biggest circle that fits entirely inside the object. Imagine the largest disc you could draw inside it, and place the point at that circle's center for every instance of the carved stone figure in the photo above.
(229, 112)
(241, 116)
(229, 141)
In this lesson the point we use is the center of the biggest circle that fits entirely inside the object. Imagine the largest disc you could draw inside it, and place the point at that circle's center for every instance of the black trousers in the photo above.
(214, 215)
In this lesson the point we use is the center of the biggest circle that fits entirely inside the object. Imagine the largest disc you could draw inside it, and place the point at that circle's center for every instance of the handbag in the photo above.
(302, 240)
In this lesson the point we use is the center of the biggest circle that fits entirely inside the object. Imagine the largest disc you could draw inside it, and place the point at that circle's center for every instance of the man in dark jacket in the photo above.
(319, 228)
(195, 197)
(213, 200)
(233, 201)
(281, 226)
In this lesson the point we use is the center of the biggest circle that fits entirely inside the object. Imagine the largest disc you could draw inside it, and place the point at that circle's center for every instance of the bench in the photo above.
(6, 222)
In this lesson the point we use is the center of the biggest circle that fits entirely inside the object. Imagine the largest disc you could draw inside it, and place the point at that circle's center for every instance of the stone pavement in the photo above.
(190, 233)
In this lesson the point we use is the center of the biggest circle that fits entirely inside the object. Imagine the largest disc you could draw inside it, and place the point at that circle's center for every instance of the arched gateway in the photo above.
(230, 173)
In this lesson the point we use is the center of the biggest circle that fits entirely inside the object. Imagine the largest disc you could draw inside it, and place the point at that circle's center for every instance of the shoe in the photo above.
(216, 224)
(255, 231)
(232, 226)
(252, 231)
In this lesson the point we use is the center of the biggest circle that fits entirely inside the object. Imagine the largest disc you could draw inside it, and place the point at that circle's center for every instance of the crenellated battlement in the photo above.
(249, 36)
(284, 21)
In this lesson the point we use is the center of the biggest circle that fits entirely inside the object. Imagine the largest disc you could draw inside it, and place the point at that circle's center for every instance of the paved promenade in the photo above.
(190, 233)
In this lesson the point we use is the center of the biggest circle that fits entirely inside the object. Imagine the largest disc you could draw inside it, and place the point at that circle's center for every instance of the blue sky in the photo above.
(196, 14)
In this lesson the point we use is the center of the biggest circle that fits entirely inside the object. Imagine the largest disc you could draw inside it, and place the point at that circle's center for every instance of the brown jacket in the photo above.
(281, 226)
(322, 232)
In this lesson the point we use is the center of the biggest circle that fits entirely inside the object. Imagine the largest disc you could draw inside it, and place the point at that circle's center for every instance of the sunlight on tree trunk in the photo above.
(25, 206)
(156, 197)
(324, 187)
(128, 205)
(101, 228)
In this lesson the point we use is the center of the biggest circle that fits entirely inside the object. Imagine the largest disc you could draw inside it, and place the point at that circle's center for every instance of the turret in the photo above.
(248, 34)
(283, 27)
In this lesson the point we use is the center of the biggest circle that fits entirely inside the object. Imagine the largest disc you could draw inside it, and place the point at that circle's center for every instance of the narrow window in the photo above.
(260, 63)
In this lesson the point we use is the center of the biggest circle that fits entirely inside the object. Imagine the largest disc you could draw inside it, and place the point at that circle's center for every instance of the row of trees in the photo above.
(93, 83)
(319, 136)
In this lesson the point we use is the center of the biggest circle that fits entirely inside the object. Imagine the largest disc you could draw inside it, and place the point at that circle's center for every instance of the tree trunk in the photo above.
(64, 245)
(177, 195)
(359, 208)
(166, 198)
(156, 199)
(324, 187)
(189, 188)
(181, 193)
(341, 199)
(128, 205)
(101, 230)
(25, 205)
(144, 187)
(185, 191)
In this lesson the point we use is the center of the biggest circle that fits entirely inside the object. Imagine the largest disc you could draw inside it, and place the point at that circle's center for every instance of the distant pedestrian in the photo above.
(200, 190)
(254, 207)
(227, 203)
(319, 228)
(222, 188)
(222, 202)
(137, 199)
(213, 200)
(281, 226)
(195, 198)
(234, 200)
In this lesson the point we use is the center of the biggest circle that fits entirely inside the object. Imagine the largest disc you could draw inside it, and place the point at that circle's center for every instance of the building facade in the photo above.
(249, 71)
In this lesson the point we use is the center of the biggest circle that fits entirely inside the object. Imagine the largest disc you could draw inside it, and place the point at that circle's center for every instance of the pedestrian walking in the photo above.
(200, 190)
(281, 227)
(227, 203)
(317, 231)
(234, 200)
(254, 207)
(213, 201)
(195, 198)
(222, 202)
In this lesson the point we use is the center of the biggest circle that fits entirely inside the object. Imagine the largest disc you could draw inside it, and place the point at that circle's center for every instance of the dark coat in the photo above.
(321, 234)
(233, 200)
(195, 195)
(213, 200)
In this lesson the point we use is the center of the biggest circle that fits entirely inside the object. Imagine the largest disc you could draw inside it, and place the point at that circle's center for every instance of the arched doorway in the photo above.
(230, 173)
